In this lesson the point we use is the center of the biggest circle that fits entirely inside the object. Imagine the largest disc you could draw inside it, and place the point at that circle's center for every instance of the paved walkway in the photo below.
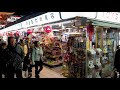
(46, 73)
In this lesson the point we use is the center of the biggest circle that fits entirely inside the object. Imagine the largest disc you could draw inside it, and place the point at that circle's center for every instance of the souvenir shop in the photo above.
(90, 54)
(103, 41)
(83, 43)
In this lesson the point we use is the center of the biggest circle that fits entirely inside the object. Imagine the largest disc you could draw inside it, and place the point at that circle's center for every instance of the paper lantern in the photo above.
(48, 29)
(29, 31)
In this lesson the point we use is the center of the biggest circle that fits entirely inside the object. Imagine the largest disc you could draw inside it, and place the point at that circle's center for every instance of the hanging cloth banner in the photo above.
(90, 31)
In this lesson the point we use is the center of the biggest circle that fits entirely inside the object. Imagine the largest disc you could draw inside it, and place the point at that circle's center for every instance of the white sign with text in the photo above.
(109, 16)
(67, 15)
(42, 19)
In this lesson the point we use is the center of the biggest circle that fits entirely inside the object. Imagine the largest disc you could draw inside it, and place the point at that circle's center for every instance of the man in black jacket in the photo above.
(15, 57)
(3, 59)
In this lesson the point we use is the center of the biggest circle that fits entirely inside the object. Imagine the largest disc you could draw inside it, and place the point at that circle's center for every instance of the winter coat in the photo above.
(37, 54)
(15, 56)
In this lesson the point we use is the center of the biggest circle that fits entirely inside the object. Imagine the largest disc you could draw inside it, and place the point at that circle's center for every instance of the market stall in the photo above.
(84, 43)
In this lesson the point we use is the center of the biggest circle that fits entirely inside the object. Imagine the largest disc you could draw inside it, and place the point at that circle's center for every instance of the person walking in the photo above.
(3, 59)
(25, 49)
(27, 68)
(15, 57)
(117, 63)
(37, 56)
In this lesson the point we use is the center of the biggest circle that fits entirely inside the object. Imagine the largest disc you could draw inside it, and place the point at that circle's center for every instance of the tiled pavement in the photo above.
(46, 73)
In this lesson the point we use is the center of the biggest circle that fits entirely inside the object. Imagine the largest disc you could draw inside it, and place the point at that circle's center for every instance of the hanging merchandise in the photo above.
(54, 58)
(76, 54)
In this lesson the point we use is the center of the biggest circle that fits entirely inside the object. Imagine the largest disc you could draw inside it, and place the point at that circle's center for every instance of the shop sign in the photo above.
(42, 19)
(67, 15)
(50, 17)
(109, 16)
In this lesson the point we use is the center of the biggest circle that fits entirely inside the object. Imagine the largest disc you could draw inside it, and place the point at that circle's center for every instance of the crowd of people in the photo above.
(18, 58)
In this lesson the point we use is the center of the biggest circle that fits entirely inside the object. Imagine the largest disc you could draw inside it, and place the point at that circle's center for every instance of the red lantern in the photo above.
(29, 31)
(48, 29)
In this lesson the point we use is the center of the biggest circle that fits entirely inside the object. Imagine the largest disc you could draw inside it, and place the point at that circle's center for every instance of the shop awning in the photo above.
(106, 24)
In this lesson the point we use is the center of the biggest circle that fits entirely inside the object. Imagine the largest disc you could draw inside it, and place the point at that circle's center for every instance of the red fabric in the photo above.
(90, 31)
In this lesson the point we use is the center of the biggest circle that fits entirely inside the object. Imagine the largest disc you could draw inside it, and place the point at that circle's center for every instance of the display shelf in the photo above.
(53, 64)
(107, 43)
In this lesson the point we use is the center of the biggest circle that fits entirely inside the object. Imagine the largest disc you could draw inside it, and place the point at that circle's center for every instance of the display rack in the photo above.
(76, 54)
(52, 53)
(106, 41)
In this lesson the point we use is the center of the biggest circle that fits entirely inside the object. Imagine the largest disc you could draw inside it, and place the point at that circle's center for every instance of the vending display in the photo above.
(76, 54)
(106, 41)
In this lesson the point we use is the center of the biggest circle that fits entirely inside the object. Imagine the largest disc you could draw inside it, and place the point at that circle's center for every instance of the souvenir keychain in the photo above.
(91, 64)
(109, 42)
(105, 49)
(104, 59)
(97, 74)
(98, 63)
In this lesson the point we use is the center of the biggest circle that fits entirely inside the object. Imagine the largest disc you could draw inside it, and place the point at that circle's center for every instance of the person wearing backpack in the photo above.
(37, 56)
(14, 58)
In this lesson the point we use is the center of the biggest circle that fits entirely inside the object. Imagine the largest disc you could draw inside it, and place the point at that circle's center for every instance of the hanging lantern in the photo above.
(48, 29)
(29, 31)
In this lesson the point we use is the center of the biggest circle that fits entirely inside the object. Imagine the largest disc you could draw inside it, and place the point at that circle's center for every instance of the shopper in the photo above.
(15, 56)
(37, 56)
(24, 48)
(3, 59)
(28, 58)
(117, 62)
